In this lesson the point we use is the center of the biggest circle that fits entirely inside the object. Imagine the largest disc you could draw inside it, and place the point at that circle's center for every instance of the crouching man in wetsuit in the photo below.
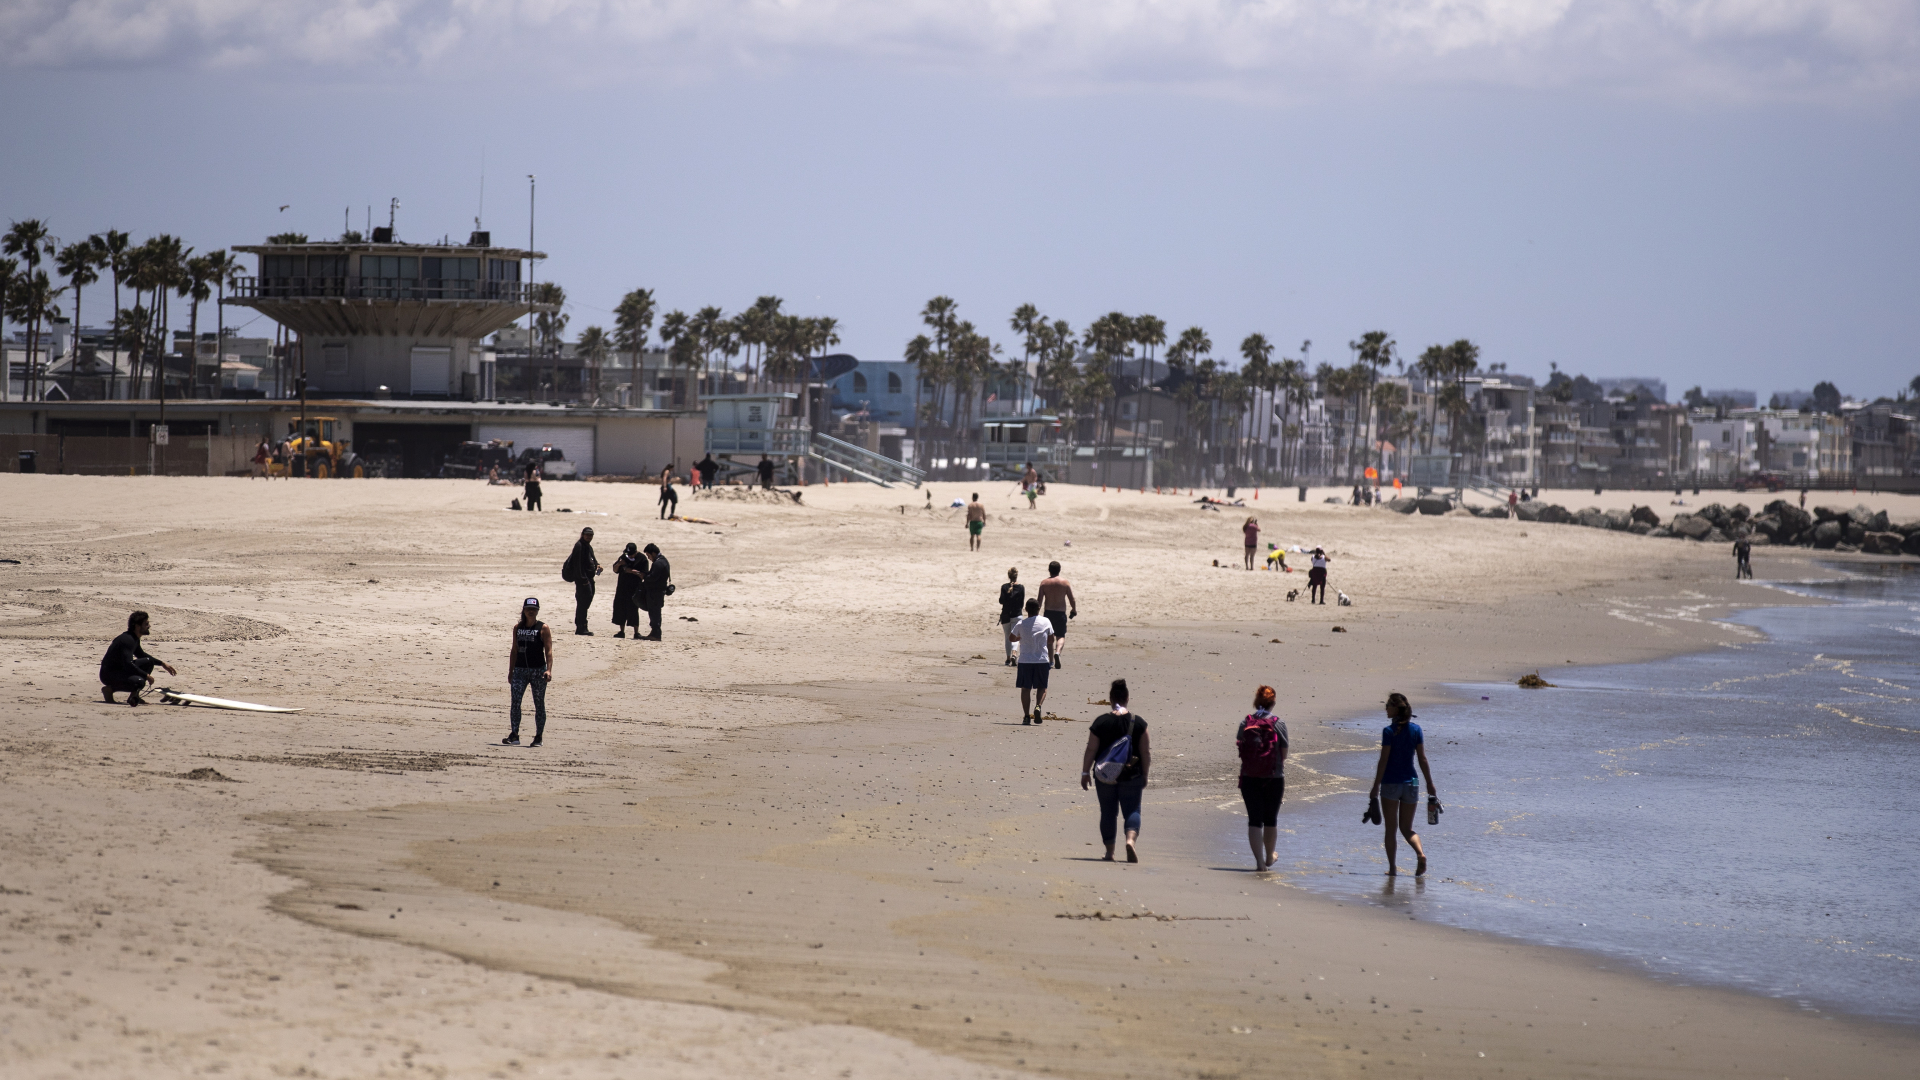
(127, 666)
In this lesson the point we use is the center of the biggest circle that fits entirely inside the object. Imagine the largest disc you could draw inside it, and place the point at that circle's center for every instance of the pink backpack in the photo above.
(1259, 747)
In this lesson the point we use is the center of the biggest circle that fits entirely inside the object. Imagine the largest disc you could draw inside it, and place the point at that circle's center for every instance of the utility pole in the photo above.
(533, 370)
(305, 448)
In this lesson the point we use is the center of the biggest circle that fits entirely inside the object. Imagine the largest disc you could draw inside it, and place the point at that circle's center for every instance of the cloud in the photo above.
(1794, 48)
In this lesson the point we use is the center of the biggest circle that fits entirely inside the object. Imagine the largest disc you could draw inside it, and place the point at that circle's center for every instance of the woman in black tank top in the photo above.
(529, 664)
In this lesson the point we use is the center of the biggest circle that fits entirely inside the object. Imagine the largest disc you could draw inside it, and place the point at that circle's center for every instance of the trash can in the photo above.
(27, 463)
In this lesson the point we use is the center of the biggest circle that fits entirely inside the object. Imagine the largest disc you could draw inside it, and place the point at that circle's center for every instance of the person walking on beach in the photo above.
(1262, 740)
(262, 454)
(580, 568)
(976, 522)
(533, 486)
(1317, 577)
(654, 589)
(1742, 558)
(669, 498)
(708, 467)
(766, 472)
(1251, 533)
(1037, 648)
(529, 663)
(1395, 783)
(1123, 769)
(127, 667)
(1013, 597)
(1030, 485)
(1057, 603)
(628, 572)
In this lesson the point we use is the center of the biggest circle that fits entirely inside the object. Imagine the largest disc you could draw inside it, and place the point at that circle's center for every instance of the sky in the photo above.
(1713, 192)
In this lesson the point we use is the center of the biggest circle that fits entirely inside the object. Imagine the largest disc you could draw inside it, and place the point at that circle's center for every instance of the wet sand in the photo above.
(805, 833)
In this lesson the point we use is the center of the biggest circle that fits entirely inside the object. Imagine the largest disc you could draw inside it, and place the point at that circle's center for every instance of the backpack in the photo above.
(566, 570)
(1259, 747)
(1111, 764)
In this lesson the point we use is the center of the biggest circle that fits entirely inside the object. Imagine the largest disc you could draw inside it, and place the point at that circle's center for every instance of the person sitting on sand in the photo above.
(529, 663)
(1251, 533)
(1121, 795)
(1317, 577)
(1057, 603)
(127, 666)
(1262, 741)
(1038, 646)
(1394, 782)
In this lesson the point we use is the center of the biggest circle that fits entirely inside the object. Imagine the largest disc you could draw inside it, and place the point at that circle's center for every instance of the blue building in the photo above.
(885, 390)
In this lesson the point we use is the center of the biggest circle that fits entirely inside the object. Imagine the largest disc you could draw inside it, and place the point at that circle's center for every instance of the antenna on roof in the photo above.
(481, 210)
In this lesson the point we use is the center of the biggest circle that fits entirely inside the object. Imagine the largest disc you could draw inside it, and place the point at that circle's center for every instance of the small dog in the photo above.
(1292, 595)
(1345, 600)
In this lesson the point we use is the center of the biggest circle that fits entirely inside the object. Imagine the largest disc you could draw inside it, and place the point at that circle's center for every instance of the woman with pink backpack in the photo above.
(1263, 755)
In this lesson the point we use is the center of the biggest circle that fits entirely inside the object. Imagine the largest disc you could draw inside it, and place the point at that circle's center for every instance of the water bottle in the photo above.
(1433, 810)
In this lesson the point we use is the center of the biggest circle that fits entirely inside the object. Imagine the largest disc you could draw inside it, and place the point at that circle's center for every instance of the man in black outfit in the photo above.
(707, 467)
(766, 472)
(580, 568)
(653, 589)
(127, 666)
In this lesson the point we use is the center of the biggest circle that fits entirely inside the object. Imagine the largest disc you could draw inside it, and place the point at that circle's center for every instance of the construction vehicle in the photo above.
(327, 454)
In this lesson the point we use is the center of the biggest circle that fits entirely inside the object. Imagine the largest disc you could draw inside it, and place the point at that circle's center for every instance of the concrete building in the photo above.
(1630, 385)
(390, 320)
(1721, 448)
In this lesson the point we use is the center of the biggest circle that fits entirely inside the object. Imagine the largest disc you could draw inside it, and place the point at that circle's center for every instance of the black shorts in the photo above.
(1032, 677)
(1059, 621)
(1262, 795)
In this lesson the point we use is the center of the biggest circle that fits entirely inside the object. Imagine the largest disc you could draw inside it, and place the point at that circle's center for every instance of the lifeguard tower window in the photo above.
(859, 383)
(893, 382)
(503, 270)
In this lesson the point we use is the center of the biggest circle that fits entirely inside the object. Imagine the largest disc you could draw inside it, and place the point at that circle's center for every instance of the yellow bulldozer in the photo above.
(326, 454)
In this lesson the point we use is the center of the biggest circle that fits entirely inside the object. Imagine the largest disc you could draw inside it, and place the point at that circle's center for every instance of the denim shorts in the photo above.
(1403, 793)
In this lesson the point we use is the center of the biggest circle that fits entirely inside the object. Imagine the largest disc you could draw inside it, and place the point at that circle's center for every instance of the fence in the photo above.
(94, 455)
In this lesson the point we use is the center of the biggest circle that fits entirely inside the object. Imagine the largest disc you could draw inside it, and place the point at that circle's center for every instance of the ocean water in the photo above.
(1744, 817)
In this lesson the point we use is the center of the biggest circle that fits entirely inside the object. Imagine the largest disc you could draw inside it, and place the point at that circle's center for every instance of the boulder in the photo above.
(1912, 545)
(1715, 536)
(1828, 513)
(1766, 527)
(1845, 548)
(1492, 512)
(1662, 532)
(1640, 528)
(1827, 534)
(1862, 516)
(1906, 528)
(1883, 543)
(1592, 517)
(1879, 522)
(1403, 505)
(1714, 513)
(1793, 520)
(1618, 520)
(1691, 526)
(1527, 511)
(1646, 514)
(1856, 533)
(1555, 514)
(1740, 512)
(1432, 505)
(1738, 529)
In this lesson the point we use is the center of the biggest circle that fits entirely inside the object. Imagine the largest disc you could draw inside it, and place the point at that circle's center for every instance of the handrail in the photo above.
(862, 462)
(366, 288)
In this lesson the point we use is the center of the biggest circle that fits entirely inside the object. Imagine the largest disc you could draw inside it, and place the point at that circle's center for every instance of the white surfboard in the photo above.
(171, 697)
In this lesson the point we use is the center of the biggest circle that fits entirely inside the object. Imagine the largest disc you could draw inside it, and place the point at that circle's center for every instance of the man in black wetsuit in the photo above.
(707, 467)
(127, 666)
(580, 568)
(653, 589)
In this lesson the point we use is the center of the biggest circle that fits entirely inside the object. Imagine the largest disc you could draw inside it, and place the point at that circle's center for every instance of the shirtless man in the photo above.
(976, 522)
(1056, 600)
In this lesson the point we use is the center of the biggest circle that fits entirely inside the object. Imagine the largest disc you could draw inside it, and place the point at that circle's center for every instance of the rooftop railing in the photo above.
(368, 288)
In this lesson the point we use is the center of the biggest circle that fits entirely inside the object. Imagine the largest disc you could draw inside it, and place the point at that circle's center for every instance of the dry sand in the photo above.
(804, 835)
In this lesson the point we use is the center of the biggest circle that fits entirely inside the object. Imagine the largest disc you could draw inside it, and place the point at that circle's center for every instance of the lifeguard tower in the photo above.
(1009, 443)
(743, 428)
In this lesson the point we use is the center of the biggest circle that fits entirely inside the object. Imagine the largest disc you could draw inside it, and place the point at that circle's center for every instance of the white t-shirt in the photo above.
(1033, 633)
(1319, 562)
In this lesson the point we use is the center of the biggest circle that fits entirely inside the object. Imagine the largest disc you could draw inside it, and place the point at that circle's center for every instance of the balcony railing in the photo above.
(365, 288)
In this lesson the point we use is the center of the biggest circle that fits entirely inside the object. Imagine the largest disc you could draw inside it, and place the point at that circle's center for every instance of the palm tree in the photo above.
(113, 254)
(80, 265)
(227, 270)
(549, 327)
(33, 300)
(711, 327)
(9, 278)
(594, 345)
(676, 333)
(29, 240)
(1257, 371)
(632, 323)
(197, 287)
(1032, 327)
(1375, 349)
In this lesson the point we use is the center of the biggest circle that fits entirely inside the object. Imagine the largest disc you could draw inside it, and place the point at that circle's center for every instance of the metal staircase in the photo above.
(861, 463)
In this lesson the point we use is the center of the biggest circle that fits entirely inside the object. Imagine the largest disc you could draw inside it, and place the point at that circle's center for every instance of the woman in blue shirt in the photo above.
(1395, 783)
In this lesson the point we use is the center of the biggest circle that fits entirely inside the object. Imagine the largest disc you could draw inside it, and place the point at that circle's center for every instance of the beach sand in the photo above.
(806, 834)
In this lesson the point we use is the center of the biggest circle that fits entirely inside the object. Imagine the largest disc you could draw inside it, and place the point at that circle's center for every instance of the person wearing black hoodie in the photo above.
(127, 666)
(580, 569)
(654, 588)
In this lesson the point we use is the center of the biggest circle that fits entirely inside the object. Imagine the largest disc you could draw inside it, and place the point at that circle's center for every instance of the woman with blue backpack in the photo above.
(1115, 766)
(1262, 740)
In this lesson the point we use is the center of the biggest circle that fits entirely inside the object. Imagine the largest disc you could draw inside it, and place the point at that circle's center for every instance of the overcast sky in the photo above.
(1717, 192)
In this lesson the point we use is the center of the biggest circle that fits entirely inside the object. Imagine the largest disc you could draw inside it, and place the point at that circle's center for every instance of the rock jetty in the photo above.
(1779, 523)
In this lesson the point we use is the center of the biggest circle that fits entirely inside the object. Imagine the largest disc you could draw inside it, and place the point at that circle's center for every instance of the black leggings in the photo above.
(1262, 795)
